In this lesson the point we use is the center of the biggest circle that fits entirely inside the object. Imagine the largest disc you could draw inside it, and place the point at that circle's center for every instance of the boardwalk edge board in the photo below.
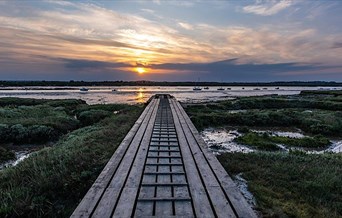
(162, 168)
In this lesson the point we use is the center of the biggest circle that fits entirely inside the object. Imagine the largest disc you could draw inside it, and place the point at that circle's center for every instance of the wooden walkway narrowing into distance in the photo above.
(163, 169)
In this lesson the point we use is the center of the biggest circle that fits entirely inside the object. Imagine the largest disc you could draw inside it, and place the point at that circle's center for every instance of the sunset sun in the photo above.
(140, 70)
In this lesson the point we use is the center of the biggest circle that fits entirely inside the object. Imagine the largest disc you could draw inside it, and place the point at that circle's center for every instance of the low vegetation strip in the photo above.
(6, 155)
(291, 184)
(36, 121)
(265, 141)
(322, 92)
(52, 181)
(314, 115)
(285, 184)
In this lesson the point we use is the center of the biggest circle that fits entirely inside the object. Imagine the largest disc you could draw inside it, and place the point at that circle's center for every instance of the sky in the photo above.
(169, 40)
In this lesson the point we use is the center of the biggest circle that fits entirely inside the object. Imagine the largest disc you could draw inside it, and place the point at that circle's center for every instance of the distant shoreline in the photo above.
(7, 83)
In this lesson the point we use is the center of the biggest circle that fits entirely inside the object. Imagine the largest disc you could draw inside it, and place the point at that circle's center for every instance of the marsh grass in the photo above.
(265, 141)
(291, 184)
(314, 116)
(6, 155)
(67, 103)
(51, 182)
(40, 121)
(36, 121)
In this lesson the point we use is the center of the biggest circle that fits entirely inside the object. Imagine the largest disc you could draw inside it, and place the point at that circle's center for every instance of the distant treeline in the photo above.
(153, 83)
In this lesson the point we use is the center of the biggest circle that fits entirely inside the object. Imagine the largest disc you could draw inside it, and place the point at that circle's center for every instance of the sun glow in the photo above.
(140, 70)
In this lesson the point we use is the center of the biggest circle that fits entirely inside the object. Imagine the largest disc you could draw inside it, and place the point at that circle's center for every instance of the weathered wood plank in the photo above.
(239, 203)
(88, 203)
(182, 208)
(164, 208)
(129, 194)
(201, 202)
(147, 192)
(219, 201)
(110, 196)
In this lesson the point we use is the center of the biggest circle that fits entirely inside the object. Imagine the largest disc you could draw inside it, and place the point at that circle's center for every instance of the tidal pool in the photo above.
(19, 156)
(221, 140)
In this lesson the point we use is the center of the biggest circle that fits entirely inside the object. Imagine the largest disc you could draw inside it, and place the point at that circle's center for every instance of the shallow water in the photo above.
(19, 156)
(296, 135)
(242, 185)
(221, 140)
(140, 94)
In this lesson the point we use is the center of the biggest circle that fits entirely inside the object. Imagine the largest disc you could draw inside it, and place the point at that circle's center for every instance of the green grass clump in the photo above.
(312, 121)
(268, 142)
(6, 155)
(260, 141)
(92, 116)
(334, 93)
(289, 185)
(41, 120)
(38, 115)
(52, 181)
(68, 103)
(32, 134)
(35, 124)
(312, 113)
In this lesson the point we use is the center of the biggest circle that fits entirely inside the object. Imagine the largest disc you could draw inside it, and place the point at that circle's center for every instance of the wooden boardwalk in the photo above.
(162, 169)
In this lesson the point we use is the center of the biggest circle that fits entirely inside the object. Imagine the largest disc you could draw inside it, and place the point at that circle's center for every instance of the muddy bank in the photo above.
(222, 140)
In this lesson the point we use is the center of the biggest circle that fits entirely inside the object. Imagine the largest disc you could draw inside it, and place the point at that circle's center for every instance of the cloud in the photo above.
(232, 70)
(113, 36)
(267, 7)
(156, 2)
(315, 10)
(185, 26)
(68, 37)
(86, 64)
(337, 45)
(182, 3)
(150, 11)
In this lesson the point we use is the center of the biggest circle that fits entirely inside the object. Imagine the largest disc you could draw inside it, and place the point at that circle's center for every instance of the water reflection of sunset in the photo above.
(140, 97)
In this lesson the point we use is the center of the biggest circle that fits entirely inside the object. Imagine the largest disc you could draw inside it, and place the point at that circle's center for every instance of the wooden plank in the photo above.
(146, 207)
(164, 164)
(164, 173)
(182, 208)
(235, 197)
(88, 203)
(164, 208)
(167, 217)
(176, 169)
(200, 201)
(129, 194)
(110, 196)
(164, 184)
(219, 200)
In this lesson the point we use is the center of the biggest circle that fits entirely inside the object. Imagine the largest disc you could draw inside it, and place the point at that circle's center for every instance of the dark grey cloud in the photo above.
(86, 64)
(337, 45)
(231, 70)
(226, 70)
